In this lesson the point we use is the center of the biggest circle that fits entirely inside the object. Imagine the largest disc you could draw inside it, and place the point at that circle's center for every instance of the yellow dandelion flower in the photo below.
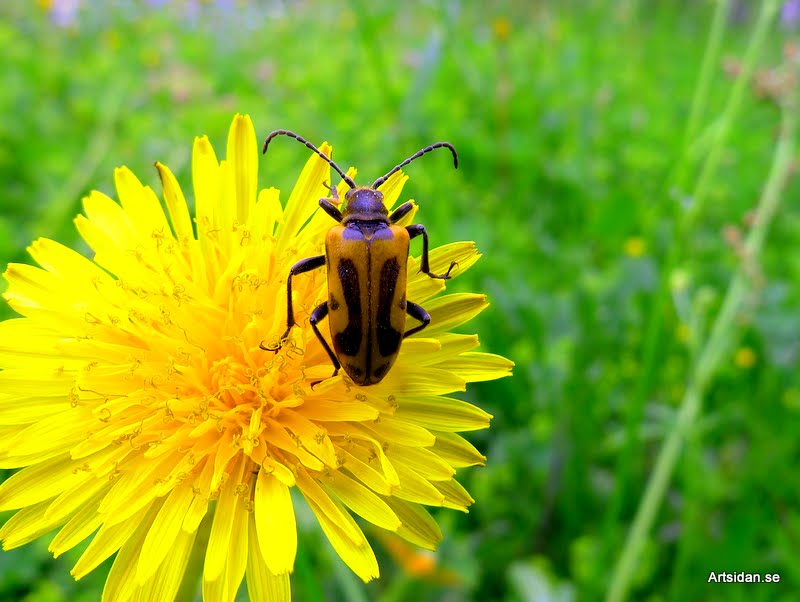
(501, 27)
(635, 246)
(136, 401)
(745, 358)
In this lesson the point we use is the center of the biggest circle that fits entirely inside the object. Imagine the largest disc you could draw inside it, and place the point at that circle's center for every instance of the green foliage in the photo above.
(569, 120)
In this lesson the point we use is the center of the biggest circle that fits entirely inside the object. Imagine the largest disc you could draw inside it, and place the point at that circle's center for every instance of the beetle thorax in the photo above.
(364, 204)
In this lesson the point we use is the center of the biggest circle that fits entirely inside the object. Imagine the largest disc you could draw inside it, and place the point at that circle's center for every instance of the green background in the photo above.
(569, 119)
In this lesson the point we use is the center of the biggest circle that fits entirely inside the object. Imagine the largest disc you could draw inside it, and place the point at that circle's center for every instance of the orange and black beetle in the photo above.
(366, 255)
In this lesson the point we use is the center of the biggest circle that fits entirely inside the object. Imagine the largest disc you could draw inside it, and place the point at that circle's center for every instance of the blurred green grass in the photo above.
(568, 119)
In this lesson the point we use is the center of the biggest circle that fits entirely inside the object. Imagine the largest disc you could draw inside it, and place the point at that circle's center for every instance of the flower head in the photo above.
(139, 405)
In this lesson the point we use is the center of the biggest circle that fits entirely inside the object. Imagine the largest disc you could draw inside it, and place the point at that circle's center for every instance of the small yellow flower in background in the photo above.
(137, 402)
(745, 358)
(501, 27)
(635, 246)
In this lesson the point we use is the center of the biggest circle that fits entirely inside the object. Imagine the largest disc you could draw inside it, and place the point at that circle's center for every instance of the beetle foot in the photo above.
(279, 345)
(446, 275)
(333, 190)
(273, 348)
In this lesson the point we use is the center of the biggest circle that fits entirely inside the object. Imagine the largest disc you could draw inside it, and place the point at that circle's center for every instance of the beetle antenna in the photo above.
(302, 140)
(416, 155)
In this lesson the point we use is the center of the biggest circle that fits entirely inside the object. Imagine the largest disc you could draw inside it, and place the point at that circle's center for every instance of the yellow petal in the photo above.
(229, 505)
(423, 462)
(234, 556)
(366, 473)
(457, 451)
(305, 196)
(356, 552)
(476, 366)
(176, 203)
(327, 505)
(23, 342)
(418, 527)
(85, 522)
(415, 488)
(278, 437)
(28, 409)
(111, 219)
(242, 154)
(311, 436)
(407, 380)
(164, 532)
(449, 345)
(199, 505)
(108, 540)
(68, 502)
(140, 204)
(450, 311)
(68, 264)
(26, 525)
(206, 181)
(391, 430)
(41, 482)
(421, 286)
(121, 582)
(325, 410)
(25, 382)
(363, 445)
(442, 413)
(455, 496)
(49, 435)
(166, 581)
(362, 501)
(134, 488)
(261, 583)
(275, 523)
(268, 211)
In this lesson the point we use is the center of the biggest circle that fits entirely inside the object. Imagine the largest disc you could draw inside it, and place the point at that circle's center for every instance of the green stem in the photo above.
(768, 11)
(716, 348)
(655, 323)
(710, 57)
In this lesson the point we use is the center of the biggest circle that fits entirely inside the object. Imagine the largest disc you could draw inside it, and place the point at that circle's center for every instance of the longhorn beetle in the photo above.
(366, 255)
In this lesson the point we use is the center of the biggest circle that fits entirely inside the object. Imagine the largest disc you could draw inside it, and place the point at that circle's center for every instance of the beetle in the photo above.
(366, 255)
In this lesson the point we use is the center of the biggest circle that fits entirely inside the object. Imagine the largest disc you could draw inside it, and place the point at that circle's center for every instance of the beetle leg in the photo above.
(329, 207)
(413, 232)
(304, 265)
(400, 212)
(334, 192)
(319, 314)
(418, 313)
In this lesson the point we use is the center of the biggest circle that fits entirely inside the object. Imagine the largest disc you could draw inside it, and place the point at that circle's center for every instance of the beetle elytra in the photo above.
(366, 255)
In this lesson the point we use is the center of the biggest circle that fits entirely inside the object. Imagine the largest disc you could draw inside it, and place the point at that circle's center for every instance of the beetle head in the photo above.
(364, 204)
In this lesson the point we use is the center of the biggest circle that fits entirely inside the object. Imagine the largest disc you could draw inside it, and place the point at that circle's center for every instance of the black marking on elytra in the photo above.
(333, 303)
(348, 341)
(354, 371)
(381, 370)
(388, 337)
